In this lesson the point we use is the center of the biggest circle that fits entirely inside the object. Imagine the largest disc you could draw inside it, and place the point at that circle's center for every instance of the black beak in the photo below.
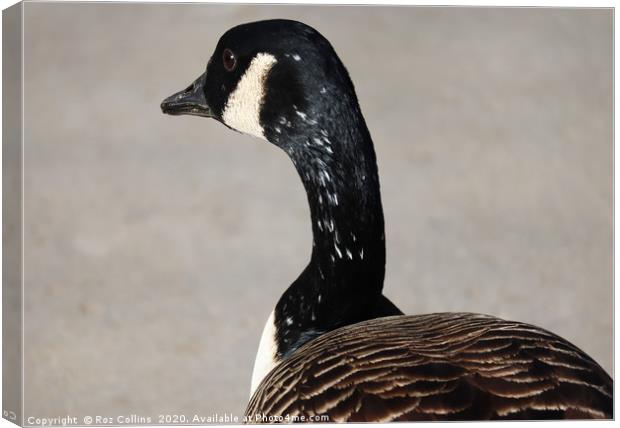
(190, 101)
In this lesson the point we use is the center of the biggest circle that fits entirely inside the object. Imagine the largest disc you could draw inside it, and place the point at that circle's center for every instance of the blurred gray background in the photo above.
(156, 246)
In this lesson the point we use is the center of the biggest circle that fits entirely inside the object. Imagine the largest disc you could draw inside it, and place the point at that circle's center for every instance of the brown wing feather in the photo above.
(448, 366)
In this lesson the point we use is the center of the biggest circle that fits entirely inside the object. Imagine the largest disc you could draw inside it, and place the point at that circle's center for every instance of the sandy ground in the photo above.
(156, 246)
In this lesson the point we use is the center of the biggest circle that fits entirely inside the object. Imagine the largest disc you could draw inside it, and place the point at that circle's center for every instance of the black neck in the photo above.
(342, 283)
(342, 186)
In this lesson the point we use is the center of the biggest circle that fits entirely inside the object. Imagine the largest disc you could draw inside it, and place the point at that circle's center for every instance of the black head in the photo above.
(267, 78)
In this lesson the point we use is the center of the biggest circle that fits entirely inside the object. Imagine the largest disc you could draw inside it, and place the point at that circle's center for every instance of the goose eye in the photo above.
(229, 60)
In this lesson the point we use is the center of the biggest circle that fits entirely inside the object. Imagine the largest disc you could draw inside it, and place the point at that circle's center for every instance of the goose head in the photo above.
(269, 79)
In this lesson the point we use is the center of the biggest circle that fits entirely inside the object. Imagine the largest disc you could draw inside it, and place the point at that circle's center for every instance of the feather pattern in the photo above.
(445, 366)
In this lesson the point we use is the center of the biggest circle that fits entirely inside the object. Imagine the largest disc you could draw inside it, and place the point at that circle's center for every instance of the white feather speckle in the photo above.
(304, 117)
(338, 251)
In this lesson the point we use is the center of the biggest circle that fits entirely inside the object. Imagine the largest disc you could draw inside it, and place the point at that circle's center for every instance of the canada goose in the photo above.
(334, 345)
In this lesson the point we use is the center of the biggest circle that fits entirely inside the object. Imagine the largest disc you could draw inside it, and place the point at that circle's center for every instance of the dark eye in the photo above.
(229, 60)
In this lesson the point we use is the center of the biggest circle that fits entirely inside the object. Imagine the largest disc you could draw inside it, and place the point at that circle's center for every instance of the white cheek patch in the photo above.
(266, 355)
(242, 110)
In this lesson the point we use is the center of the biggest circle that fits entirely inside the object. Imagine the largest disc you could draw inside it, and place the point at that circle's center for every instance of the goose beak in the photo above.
(189, 101)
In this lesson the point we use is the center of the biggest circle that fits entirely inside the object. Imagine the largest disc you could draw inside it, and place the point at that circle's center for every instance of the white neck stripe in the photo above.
(242, 110)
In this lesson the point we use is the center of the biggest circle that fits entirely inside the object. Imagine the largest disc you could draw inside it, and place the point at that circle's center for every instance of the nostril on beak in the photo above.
(190, 100)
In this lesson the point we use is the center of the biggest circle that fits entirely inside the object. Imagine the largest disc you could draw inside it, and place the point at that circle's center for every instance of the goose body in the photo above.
(334, 345)
(445, 366)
